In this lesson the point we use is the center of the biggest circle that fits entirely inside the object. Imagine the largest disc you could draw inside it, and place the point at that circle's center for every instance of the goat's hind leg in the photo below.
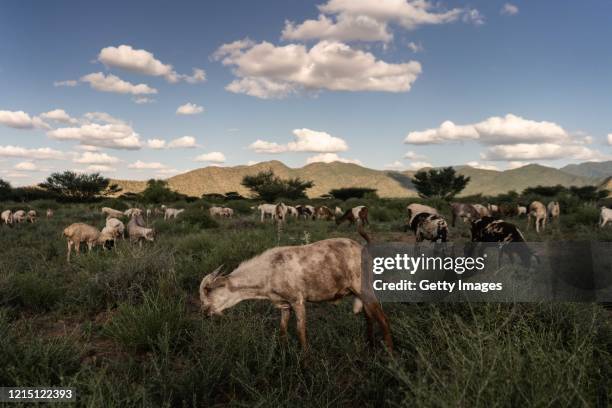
(284, 322)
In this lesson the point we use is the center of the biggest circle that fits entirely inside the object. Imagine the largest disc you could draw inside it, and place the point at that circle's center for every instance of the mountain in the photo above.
(326, 176)
(598, 170)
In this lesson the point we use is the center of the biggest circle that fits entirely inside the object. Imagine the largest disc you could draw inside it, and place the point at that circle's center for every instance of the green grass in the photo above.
(124, 327)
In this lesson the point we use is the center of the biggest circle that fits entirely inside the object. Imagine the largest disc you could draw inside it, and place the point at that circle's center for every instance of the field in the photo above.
(123, 327)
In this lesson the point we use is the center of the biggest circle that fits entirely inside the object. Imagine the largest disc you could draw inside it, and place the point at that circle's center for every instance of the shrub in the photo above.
(197, 217)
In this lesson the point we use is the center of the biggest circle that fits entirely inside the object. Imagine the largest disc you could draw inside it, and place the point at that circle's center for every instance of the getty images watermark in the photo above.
(489, 272)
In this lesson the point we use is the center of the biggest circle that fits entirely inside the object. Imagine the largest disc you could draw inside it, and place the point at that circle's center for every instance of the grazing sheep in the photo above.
(7, 217)
(492, 230)
(537, 210)
(19, 216)
(430, 227)
(172, 213)
(137, 231)
(32, 216)
(554, 210)
(79, 232)
(357, 214)
(482, 210)
(110, 212)
(49, 213)
(466, 212)
(415, 208)
(604, 216)
(521, 210)
(116, 226)
(324, 212)
(291, 276)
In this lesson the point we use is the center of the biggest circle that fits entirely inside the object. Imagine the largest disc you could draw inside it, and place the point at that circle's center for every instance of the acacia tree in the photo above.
(158, 192)
(72, 186)
(269, 187)
(439, 183)
(5, 190)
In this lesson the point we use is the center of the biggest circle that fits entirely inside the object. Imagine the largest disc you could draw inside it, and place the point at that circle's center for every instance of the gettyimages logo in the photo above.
(410, 264)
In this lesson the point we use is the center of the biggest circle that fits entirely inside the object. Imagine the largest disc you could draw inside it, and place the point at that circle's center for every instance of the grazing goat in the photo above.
(32, 216)
(266, 209)
(430, 227)
(110, 212)
(604, 216)
(292, 211)
(537, 210)
(326, 270)
(49, 213)
(521, 210)
(415, 208)
(131, 211)
(554, 210)
(354, 215)
(216, 211)
(172, 213)
(466, 212)
(79, 232)
(280, 212)
(115, 226)
(493, 210)
(324, 212)
(7, 217)
(19, 216)
(491, 230)
(137, 231)
(482, 210)
(228, 212)
(306, 211)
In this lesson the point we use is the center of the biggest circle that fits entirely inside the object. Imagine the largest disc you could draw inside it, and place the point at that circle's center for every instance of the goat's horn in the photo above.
(217, 271)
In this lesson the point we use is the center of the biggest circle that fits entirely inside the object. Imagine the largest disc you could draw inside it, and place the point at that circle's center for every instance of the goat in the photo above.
(172, 213)
(7, 217)
(78, 232)
(110, 212)
(280, 212)
(354, 215)
(554, 210)
(521, 210)
(537, 210)
(216, 211)
(415, 208)
(138, 232)
(466, 212)
(604, 216)
(266, 209)
(482, 210)
(306, 211)
(32, 216)
(115, 226)
(326, 270)
(324, 212)
(430, 227)
(292, 211)
(130, 211)
(19, 216)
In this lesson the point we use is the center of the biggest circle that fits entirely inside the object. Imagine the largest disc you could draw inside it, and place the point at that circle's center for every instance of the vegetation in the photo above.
(267, 186)
(352, 192)
(78, 187)
(5, 190)
(439, 183)
(158, 192)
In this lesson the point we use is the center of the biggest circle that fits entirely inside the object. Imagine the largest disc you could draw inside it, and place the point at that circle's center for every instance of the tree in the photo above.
(588, 193)
(351, 192)
(5, 190)
(439, 183)
(73, 186)
(267, 186)
(157, 191)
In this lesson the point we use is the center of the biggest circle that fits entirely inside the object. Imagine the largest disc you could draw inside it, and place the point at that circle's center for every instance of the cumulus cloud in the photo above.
(306, 140)
(368, 20)
(481, 166)
(494, 130)
(415, 47)
(144, 62)
(59, 115)
(141, 100)
(184, 142)
(43, 153)
(96, 158)
(111, 83)
(26, 166)
(189, 109)
(509, 9)
(396, 165)
(267, 71)
(610, 139)
(140, 165)
(101, 168)
(103, 117)
(214, 157)
(109, 135)
(413, 156)
(541, 151)
(21, 120)
(156, 143)
(330, 158)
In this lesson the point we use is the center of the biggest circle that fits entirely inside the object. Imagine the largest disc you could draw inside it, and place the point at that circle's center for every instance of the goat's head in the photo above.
(215, 294)
(150, 235)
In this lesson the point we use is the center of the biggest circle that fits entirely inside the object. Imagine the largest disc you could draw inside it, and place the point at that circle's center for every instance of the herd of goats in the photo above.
(326, 270)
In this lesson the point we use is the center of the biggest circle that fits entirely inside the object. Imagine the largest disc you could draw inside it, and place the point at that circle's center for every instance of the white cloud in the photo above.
(70, 83)
(21, 120)
(110, 135)
(189, 109)
(267, 71)
(215, 157)
(396, 165)
(481, 166)
(306, 140)
(58, 115)
(184, 142)
(103, 117)
(101, 168)
(156, 143)
(43, 153)
(140, 165)
(541, 151)
(368, 20)
(330, 158)
(144, 62)
(610, 139)
(494, 130)
(417, 165)
(473, 16)
(509, 9)
(87, 148)
(141, 100)
(415, 47)
(413, 156)
(112, 83)
(96, 158)
(26, 166)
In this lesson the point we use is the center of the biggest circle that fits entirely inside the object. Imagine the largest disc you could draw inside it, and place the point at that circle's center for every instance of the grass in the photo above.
(124, 327)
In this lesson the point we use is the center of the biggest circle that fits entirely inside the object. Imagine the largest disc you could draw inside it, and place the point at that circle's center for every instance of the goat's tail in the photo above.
(363, 232)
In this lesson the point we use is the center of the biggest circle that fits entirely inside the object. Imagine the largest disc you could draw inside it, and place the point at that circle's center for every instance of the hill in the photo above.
(598, 170)
(327, 176)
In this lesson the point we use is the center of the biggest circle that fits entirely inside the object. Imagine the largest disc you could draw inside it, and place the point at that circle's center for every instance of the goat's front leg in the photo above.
(285, 315)
(300, 313)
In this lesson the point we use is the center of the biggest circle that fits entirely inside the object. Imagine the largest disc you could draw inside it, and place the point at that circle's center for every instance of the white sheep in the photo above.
(110, 212)
(138, 232)
(115, 226)
(605, 216)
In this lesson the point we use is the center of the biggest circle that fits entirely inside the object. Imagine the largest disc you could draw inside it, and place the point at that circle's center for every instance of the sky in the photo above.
(152, 89)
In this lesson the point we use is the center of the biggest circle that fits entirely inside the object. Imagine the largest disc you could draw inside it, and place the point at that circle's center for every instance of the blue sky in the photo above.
(370, 81)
